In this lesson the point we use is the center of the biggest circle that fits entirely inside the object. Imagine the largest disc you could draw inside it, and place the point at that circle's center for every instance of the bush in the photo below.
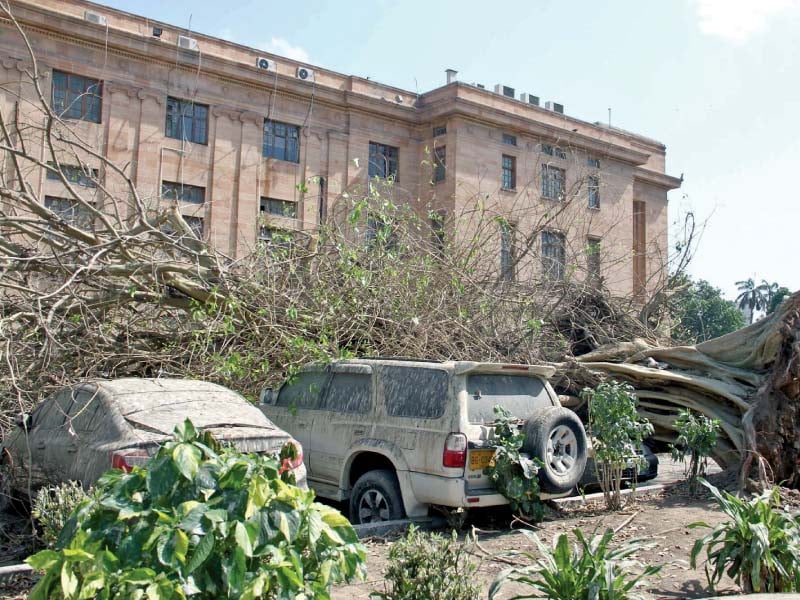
(697, 438)
(513, 473)
(759, 546)
(53, 506)
(591, 569)
(201, 521)
(429, 566)
(617, 433)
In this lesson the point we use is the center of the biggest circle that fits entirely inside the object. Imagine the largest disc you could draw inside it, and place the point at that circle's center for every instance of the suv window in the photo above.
(414, 392)
(349, 393)
(303, 391)
(519, 394)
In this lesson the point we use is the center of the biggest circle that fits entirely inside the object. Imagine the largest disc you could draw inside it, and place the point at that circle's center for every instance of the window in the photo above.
(281, 141)
(349, 393)
(181, 192)
(70, 211)
(639, 248)
(441, 130)
(509, 181)
(509, 139)
(559, 152)
(439, 164)
(553, 255)
(592, 259)
(380, 229)
(553, 151)
(281, 208)
(77, 97)
(437, 230)
(187, 121)
(593, 162)
(520, 394)
(547, 149)
(552, 182)
(506, 251)
(196, 224)
(303, 391)
(275, 237)
(414, 392)
(78, 175)
(593, 185)
(383, 161)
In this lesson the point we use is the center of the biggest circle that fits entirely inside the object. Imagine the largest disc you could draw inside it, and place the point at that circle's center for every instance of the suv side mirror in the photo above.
(268, 396)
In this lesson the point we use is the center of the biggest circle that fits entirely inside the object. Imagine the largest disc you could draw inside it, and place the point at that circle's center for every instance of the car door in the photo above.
(344, 417)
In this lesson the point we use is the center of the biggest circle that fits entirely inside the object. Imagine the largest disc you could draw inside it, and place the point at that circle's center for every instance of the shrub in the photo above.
(697, 438)
(759, 546)
(53, 506)
(512, 472)
(617, 433)
(430, 566)
(590, 569)
(201, 521)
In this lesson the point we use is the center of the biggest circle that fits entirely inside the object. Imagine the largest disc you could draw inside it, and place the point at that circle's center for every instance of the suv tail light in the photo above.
(455, 451)
(127, 459)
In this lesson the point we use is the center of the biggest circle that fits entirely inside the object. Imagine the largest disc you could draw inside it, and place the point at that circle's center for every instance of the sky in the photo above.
(717, 81)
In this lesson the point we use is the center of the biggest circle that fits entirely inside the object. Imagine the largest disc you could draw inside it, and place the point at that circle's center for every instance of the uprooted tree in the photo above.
(108, 282)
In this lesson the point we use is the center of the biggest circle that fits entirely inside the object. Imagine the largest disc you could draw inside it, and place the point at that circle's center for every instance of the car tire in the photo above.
(376, 497)
(556, 437)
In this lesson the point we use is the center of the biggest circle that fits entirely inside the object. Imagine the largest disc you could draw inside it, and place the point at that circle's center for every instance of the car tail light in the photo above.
(455, 451)
(289, 463)
(127, 459)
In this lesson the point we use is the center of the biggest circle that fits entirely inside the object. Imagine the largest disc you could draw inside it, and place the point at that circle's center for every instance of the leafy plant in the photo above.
(201, 521)
(617, 434)
(697, 437)
(591, 569)
(53, 506)
(512, 472)
(759, 546)
(430, 566)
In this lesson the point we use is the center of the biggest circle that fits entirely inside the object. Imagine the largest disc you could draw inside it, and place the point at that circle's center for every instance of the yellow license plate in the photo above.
(480, 459)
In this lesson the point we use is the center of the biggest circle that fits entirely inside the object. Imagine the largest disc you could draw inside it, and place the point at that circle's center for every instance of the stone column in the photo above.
(121, 128)
(246, 224)
(225, 181)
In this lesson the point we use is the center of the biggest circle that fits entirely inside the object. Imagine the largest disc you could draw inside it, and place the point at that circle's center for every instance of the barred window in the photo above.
(560, 153)
(187, 120)
(552, 182)
(383, 161)
(593, 259)
(441, 130)
(593, 187)
(506, 251)
(82, 176)
(281, 141)
(553, 255)
(509, 139)
(70, 211)
(509, 180)
(553, 151)
(182, 192)
(439, 164)
(593, 162)
(77, 97)
(281, 208)
(437, 230)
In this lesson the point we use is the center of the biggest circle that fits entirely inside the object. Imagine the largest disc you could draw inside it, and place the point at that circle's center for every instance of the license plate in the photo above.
(480, 459)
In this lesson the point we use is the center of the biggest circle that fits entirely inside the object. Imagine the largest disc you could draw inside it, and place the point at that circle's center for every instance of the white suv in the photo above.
(397, 436)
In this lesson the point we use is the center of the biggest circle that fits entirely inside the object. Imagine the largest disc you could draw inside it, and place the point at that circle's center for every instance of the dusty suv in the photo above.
(394, 437)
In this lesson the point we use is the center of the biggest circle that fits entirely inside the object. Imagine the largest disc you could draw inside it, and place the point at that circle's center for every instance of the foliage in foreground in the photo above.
(512, 472)
(758, 547)
(617, 432)
(53, 506)
(591, 569)
(697, 438)
(429, 565)
(203, 522)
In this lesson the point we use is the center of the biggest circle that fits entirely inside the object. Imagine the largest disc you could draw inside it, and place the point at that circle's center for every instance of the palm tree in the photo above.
(750, 297)
(768, 290)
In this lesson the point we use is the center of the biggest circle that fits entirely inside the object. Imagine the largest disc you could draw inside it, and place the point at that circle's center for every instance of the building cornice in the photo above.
(662, 180)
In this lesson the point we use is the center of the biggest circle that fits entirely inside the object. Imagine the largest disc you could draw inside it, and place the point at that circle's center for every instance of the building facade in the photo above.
(246, 142)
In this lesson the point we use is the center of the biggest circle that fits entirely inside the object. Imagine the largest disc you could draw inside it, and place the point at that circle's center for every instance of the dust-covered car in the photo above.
(395, 437)
(79, 432)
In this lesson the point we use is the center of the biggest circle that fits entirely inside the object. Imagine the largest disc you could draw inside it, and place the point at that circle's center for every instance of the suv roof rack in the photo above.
(400, 358)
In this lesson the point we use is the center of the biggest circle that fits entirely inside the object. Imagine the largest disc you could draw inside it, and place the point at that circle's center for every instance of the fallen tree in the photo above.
(748, 379)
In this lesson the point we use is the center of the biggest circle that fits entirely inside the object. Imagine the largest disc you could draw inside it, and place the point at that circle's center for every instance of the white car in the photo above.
(394, 437)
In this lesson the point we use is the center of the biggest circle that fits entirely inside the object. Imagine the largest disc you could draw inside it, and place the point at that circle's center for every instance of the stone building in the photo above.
(247, 142)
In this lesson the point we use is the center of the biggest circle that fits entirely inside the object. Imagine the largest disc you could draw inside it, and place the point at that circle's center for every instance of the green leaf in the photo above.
(44, 560)
(185, 432)
(69, 581)
(187, 458)
(201, 552)
(243, 540)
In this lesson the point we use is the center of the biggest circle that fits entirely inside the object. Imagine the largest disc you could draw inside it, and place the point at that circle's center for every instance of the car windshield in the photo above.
(519, 394)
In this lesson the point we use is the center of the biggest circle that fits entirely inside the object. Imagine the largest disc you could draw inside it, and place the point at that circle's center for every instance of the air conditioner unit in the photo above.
(504, 90)
(305, 74)
(266, 64)
(529, 98)
(95, 18)
(187, 43)
(554, 106)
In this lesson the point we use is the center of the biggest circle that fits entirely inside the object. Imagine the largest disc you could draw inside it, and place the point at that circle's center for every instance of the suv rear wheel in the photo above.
(557, 438)
(376, 497)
